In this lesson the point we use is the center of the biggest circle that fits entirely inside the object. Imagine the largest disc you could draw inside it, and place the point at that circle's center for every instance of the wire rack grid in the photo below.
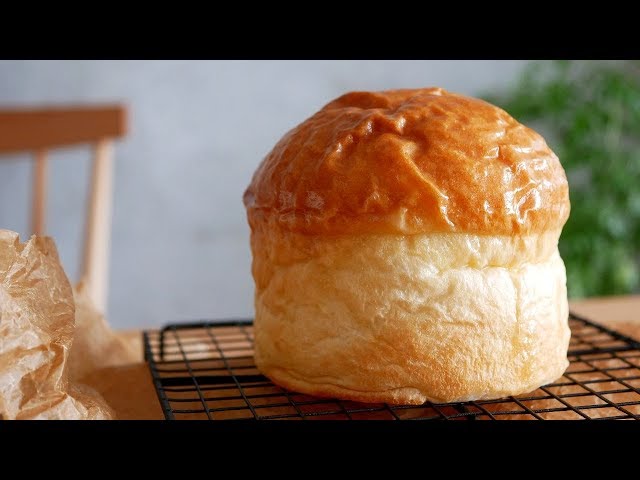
(205, 371)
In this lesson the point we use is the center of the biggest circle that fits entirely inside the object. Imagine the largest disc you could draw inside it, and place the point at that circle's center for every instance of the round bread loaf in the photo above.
(405, 248)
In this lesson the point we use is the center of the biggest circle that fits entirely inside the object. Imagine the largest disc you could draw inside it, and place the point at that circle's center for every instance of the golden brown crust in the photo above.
(410, 161)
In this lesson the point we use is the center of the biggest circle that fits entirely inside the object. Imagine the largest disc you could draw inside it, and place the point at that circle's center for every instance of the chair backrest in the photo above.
(39, 130)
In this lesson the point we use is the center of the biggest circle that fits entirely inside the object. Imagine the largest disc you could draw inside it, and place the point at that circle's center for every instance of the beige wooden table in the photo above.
(129, 389)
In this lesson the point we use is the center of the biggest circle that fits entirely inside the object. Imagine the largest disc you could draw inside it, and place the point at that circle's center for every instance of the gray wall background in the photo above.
(180, 247)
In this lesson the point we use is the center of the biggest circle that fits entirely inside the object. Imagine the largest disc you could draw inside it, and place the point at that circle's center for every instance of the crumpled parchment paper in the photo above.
(37, 327)
(95, 344)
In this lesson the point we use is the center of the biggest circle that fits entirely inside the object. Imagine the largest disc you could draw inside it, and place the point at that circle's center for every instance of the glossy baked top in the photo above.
(410, 161)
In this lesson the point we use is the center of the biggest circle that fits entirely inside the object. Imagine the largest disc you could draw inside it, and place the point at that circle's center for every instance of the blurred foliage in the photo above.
(589, 113)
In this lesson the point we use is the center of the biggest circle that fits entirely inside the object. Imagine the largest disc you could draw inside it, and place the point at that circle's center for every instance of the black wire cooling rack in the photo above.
(205, 371)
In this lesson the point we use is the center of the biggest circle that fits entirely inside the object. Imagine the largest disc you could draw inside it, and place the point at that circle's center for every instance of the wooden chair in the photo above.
(40, 130)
